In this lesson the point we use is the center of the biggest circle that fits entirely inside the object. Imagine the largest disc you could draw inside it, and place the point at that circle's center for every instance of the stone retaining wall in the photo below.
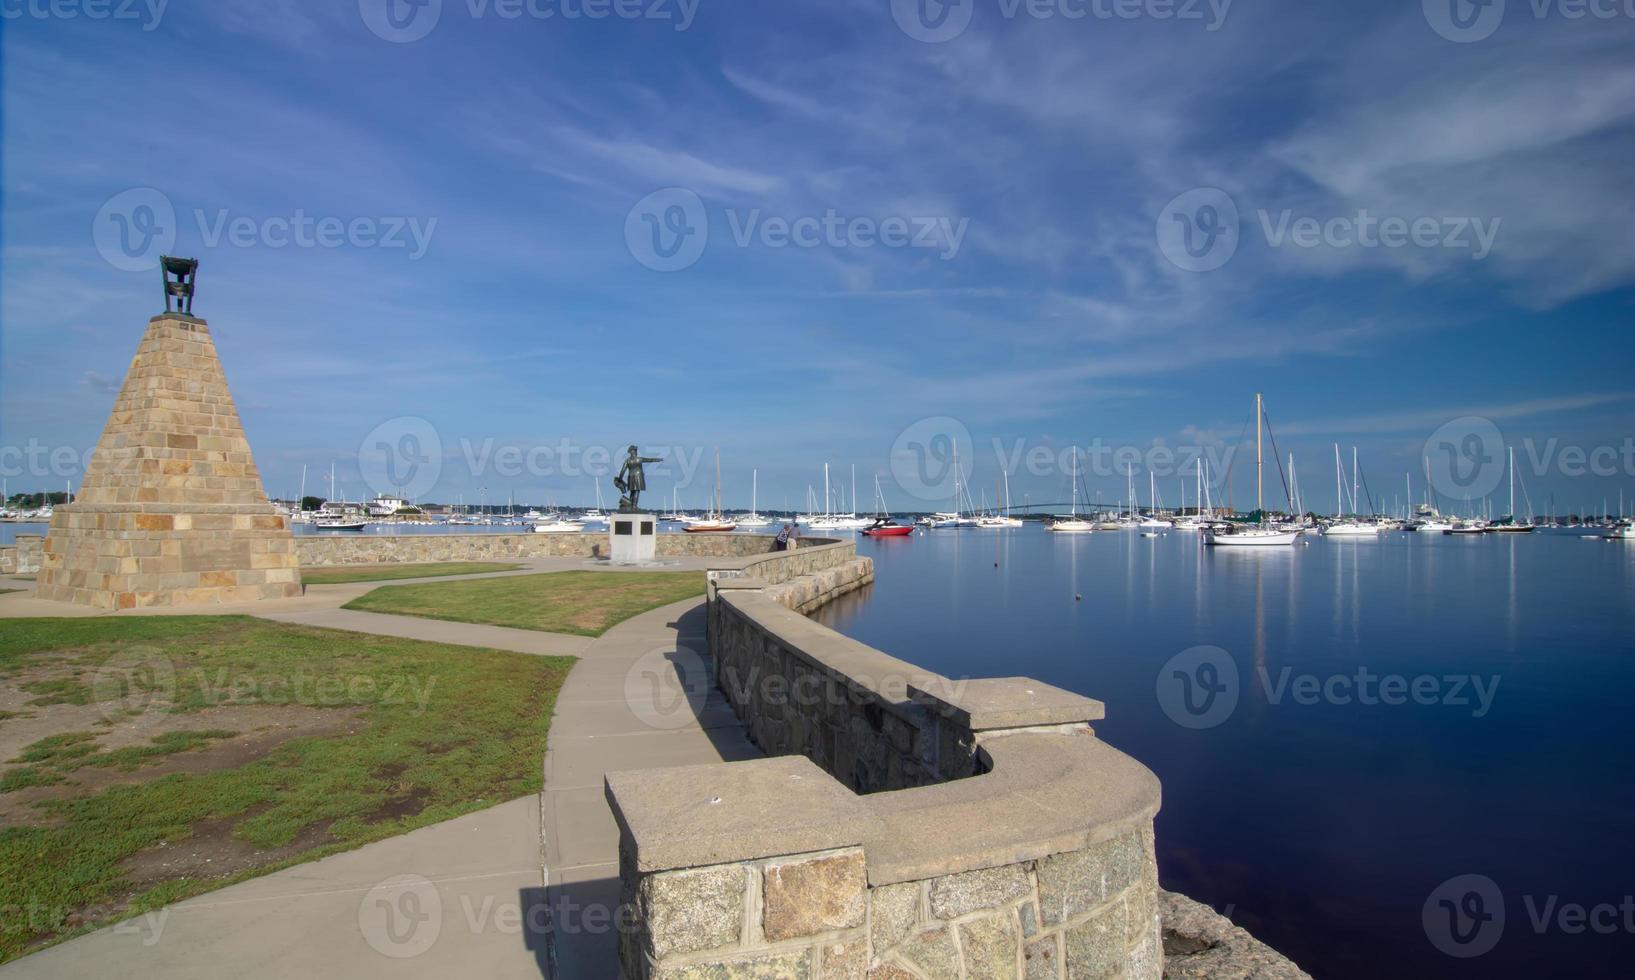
(375, 549)
(23, 558)
(906, 827)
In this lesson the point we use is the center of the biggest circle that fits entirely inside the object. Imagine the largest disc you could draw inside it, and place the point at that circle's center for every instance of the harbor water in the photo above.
(1341, 726)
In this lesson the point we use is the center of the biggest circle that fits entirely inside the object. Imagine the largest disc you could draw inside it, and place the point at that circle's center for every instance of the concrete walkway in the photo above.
(462, 898)
(473, 896)
(642, 696)
(439, 631)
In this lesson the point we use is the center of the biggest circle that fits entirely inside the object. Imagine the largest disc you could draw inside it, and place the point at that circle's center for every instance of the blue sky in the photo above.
(1035, 301)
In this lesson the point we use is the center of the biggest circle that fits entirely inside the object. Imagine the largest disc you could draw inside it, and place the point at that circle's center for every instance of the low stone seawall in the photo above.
(906, 826)
(375, 549)
(806, 578)
(23, 558)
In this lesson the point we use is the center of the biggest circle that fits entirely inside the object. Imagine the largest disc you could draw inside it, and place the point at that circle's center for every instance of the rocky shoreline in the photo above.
(1202, 944)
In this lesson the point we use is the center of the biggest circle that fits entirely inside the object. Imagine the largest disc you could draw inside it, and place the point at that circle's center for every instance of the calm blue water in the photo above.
(1324, 827)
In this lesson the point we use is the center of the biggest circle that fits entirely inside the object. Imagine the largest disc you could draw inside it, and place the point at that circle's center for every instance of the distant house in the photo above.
(385, 505)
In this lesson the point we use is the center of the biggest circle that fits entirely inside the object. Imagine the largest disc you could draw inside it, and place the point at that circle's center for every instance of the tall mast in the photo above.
(1512, 484)
(1354, 481)
(1257, 453)
(1075, 505)
(1339, 490)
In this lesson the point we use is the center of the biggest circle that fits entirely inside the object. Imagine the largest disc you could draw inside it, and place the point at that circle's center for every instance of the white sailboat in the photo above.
(1073, 523)
(715, 522)
(1348, 527)
(958, 517)
(1005, 519)
(1253, 537)
(753, 518)
(1152, 522)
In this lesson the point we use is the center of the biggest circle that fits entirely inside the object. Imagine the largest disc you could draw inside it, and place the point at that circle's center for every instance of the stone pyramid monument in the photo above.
(172, 511)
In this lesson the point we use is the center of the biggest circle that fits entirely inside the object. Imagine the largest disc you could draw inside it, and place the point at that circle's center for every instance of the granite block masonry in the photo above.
(172, 511)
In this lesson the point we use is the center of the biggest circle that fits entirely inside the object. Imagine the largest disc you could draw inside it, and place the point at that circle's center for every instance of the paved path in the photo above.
(466, 897)
(438, 630)
(599, 728)
(473, 909)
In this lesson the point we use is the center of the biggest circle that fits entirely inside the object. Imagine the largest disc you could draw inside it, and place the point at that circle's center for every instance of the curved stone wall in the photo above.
(377, 549)
(907, 825)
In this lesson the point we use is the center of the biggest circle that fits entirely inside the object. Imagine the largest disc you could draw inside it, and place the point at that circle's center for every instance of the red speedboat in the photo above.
(886, 529)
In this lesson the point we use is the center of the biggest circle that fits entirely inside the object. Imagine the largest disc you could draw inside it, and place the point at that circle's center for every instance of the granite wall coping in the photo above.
(1042, 795)
(1045, 784)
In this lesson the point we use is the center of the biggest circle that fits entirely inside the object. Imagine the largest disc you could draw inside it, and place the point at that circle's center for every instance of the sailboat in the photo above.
(1196, 521)
(1513, 524)
(957, 517)
(1253, 537)
(337, 521)
(753, 518)
(715, 522)
(1348, 528)
(1073, 523)
(1152, 522)
(595, 514)
(997, 519)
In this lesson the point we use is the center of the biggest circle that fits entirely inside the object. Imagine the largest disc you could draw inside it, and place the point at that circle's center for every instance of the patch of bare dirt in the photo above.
(212, 851)
(261, 729)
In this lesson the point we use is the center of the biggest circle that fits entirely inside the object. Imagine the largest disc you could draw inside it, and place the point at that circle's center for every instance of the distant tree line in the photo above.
(34, 501)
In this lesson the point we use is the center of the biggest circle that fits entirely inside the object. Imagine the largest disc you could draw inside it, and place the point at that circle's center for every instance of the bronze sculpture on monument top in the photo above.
(186, 273)
(631, 481)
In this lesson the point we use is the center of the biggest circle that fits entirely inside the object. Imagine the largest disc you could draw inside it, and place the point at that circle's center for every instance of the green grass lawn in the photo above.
(583, 603)
(411, 733)
(335, 575)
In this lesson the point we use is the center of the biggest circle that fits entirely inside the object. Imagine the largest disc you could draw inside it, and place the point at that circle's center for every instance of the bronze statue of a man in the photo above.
(631, 481)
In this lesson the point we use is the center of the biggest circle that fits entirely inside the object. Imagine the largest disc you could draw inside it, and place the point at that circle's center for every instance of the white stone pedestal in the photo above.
(632, 539)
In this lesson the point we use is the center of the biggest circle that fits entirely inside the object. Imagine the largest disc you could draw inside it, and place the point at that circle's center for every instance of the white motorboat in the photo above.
(559, 527)
(341, 524)
(1250, 537)
(1352, 529)
(1434, 526)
